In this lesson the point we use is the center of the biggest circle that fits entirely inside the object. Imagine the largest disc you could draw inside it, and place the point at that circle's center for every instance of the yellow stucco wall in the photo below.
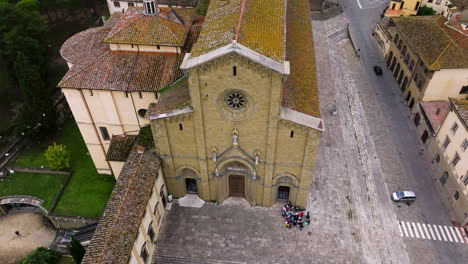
(117, 111)
(144, 48)
(210, 128)
(410, 7)
(446, 83)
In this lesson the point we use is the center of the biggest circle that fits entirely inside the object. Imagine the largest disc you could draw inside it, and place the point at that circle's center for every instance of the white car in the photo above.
(404, 196)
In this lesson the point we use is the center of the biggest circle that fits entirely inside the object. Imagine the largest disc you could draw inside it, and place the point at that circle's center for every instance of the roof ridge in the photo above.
(168, 29)
(119, 210)
(451, 41)
(120, 30)
(241, 15)
(84, 67)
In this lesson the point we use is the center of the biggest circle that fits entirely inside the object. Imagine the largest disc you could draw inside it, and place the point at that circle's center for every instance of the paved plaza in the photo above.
(245, 234)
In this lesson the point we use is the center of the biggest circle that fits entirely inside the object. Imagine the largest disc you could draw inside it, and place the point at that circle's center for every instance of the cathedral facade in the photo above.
(244, 119)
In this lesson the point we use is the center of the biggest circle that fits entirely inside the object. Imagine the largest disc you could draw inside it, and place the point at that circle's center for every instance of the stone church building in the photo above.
(230, 100)
(244, 119)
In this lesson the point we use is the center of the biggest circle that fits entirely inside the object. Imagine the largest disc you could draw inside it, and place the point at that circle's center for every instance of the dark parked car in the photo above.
(377, 70)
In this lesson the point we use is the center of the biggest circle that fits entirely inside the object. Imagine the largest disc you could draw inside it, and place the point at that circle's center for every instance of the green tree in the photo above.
(426, 11)
(58, 156)
(76, 250)
(42, 255)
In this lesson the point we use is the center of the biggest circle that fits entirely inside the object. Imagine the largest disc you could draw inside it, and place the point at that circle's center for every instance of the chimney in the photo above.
(151, 7)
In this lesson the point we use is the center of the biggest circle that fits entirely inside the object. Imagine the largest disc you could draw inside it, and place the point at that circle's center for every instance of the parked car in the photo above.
(404, 196)
(377, 70)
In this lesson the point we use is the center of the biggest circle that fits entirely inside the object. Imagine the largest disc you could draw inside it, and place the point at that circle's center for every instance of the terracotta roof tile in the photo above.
(164, 28)
(300, 91)
(126, 71)
(118, 228)
(120, 147)
(439, 46)
(258, 25)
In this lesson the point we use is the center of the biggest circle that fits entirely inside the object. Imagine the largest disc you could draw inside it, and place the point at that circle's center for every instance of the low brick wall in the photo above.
(40, 171)
(70, 222)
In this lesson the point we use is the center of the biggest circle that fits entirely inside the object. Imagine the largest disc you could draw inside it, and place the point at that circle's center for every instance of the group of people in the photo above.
(295, 216)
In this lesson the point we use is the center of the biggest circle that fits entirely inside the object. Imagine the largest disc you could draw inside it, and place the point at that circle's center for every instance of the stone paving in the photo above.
(242, 233)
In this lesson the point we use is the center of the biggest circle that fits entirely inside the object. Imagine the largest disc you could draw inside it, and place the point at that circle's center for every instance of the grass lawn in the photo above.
(87, 193)
(44, 186)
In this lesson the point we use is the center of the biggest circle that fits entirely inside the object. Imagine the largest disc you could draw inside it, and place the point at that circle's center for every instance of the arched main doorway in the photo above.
(237, 185)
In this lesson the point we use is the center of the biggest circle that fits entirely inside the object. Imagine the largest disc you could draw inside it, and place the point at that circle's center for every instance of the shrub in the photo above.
(76, 250)
(42, 255)
(58, 156)
(426, 11)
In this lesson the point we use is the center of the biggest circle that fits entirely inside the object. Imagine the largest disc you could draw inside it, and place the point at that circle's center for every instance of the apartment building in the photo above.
(428, 56)
(449, 152)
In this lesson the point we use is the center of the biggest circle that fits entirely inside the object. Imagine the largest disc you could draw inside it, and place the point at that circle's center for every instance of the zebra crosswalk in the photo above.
(433, 232)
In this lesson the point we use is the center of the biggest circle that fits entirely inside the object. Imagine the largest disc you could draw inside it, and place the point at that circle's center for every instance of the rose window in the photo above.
(236, 100)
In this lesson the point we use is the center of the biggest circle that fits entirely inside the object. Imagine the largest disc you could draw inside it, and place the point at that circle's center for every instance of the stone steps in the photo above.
(181, 260)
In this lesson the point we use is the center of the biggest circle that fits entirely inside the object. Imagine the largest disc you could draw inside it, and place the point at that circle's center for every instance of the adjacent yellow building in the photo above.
(428, 56)
(403, 8)
(117, 70)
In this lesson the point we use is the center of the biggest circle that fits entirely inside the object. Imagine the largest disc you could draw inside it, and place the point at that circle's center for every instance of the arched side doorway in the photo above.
(286, 188)
(283, 193)
(189, 181)
(191, 185)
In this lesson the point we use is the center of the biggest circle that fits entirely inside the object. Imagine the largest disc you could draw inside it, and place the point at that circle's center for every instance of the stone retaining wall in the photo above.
(70, 222)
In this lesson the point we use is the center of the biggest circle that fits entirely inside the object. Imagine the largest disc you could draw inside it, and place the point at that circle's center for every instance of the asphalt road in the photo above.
(399, 152)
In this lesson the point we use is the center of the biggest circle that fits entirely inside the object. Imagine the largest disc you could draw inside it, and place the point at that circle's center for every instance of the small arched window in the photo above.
(181, 127)
(396, 38)
(291, 135)
(234, 71)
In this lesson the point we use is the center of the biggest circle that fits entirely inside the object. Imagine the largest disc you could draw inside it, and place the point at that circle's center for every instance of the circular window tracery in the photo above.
(236, 100)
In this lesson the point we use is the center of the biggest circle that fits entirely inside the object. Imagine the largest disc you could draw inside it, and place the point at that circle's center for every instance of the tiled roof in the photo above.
(461, 106)
(118, 228)
(300, 91)
(194, 33)
(191, 3)
(170, 27)
(435, 112)
(120, 147)
(85, 46)
(175, 97)
(439, 46)
(461, 4)
(258, 25)
(126, 71)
